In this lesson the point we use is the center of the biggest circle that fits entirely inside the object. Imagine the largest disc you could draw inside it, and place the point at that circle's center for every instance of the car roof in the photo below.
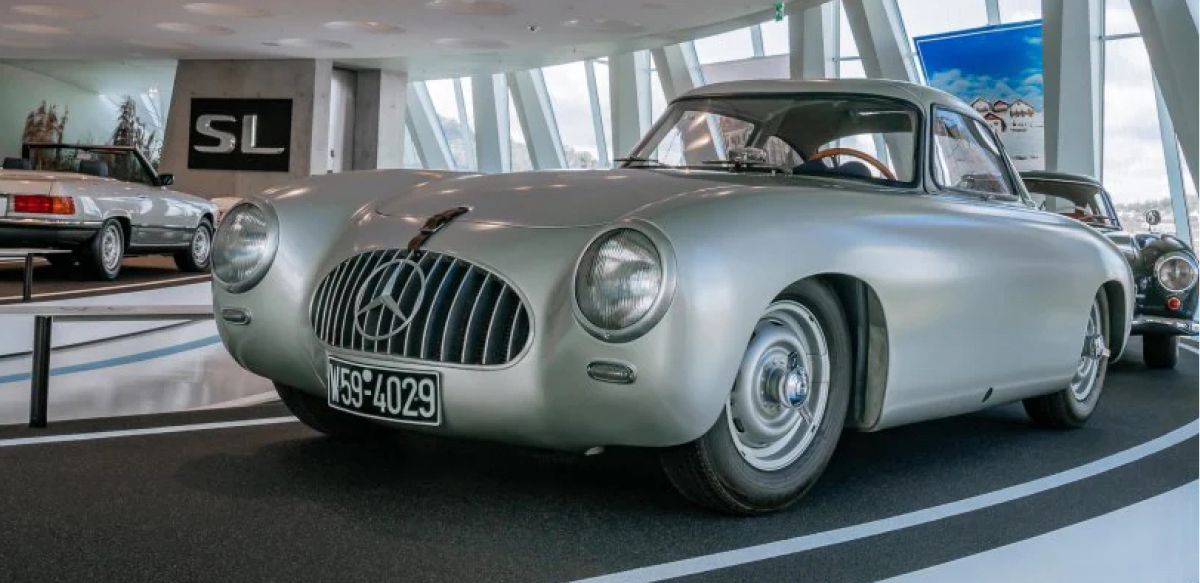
(921, 95)
(1059, 176)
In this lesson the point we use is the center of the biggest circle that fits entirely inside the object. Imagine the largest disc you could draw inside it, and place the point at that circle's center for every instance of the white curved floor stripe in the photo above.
(147, 431)
(1153, 540)
(809, 542)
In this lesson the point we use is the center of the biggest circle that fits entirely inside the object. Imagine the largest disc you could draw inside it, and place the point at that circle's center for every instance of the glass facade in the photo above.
(1135, 165)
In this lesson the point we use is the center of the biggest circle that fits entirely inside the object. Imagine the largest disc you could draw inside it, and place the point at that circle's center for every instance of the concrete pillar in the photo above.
(1072, 53)
(379, 107)
(1169, 29)
(812, 35)
(626, 88)
(489, 99)
(306, 82)
(880, 38)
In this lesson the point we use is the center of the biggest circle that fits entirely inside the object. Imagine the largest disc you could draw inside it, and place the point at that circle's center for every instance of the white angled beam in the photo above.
(493, 138)
(679, 71)
(880, 38)
(1169, 29)
(812, 35)
(460, 100)
(1072, 55)
(427, 133)
(629, 94)
(1183, 227)
(536, 116)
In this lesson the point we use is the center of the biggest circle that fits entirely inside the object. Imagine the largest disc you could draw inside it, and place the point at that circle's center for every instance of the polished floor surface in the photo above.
(273, 501)
(53, 283)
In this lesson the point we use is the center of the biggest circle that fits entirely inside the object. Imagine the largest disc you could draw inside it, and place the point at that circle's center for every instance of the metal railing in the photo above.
(43, 328)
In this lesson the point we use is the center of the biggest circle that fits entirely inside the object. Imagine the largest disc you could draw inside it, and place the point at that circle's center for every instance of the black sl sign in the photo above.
(240, 134)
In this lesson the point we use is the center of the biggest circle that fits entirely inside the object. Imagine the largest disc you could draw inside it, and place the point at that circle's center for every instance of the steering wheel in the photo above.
(865, 157)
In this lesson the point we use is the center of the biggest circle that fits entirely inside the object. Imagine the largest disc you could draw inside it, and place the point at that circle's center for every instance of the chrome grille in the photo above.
(458, 313)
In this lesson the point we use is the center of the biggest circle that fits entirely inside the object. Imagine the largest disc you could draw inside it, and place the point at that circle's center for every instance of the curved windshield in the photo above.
(839, 136)
(1078, 200)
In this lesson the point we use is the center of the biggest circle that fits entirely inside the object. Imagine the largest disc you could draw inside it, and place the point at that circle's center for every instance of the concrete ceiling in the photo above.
(427, 38)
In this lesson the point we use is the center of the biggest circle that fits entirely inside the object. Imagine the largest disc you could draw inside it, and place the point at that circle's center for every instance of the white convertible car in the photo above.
(103, 202)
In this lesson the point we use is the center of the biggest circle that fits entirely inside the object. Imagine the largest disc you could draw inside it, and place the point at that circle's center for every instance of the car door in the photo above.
(156, 219)
(1023, 304)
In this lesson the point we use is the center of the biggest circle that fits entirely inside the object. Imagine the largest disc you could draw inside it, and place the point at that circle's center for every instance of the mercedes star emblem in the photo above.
(380, 311)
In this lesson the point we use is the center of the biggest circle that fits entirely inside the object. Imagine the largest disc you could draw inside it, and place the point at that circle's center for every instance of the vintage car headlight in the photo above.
(1176, 273)
(245, 245)
(624, 283)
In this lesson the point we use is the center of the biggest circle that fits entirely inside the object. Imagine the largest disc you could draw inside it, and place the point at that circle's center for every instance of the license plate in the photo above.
(404, 396)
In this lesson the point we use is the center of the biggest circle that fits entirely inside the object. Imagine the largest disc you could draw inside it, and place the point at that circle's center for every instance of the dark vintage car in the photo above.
(1164, 266)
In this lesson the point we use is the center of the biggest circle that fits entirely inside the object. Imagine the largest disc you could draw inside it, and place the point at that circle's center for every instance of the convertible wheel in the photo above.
(199, 254)
(1160, 350)
(316, 414)
(103, 255)
(1072, 406)
(784, 414)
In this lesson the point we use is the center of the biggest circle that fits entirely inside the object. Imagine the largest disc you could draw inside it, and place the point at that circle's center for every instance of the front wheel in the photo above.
(318, 415)
(784, 415)
(1160, 351)
(198, 255)
(1071, 407)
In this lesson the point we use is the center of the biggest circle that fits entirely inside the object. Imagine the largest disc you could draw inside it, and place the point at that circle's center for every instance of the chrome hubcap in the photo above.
(201, 243)
(1083, 383)
(110, 247)
(782, 388)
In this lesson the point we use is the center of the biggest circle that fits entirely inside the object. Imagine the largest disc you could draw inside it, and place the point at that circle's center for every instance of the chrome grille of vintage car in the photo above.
(441, 309)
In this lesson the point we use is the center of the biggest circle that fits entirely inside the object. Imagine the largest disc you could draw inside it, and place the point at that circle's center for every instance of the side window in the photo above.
(966, 157)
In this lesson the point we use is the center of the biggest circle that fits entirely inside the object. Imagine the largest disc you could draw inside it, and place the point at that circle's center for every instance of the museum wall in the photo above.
(305, 82)
(90, 117)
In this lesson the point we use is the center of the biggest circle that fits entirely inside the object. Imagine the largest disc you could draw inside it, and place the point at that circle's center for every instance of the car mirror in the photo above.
(166, 179)
(1153, 218)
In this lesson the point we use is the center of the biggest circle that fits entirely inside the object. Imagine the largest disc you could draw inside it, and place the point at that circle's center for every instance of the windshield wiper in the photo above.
(744, 165)
(641, 160)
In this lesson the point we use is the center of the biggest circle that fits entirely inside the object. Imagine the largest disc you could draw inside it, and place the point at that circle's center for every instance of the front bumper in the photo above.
(1158, 325)
(20, 232)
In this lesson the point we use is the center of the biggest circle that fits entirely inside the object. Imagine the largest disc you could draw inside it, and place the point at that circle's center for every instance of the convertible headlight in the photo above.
(623, 284)
(1176, 273)
(244, 246)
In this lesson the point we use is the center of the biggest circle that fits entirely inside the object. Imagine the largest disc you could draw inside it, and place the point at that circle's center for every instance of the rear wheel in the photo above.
(1160, 350)
(106, 250)
(198, 256)
(318, 415)
(1071, 407)
(784, 415)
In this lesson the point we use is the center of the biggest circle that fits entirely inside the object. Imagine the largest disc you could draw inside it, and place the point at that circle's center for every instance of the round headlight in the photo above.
(244, 246)
(1176, 273)
(620, 284)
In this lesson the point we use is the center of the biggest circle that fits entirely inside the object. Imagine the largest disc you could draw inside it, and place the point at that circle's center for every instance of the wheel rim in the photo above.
(1091, 359)
(782, 388)
(201, 244)
(110, 247)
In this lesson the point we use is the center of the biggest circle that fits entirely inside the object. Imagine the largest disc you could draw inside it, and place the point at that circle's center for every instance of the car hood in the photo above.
(552, 198)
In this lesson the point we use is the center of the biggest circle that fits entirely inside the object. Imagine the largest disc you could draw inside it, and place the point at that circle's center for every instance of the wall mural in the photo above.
(998, 70)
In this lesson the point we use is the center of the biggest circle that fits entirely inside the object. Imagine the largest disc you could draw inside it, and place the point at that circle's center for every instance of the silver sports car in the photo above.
(103, 202)
(774, 261)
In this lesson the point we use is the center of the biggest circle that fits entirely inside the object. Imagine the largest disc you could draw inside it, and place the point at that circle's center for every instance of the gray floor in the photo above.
(278, 502)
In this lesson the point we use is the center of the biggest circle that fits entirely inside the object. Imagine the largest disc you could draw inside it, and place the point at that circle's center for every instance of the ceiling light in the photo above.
(310, 43)
(473, 7)
(367, 27)
(54, 11)
(471, 43)
(189, 28)
(37, 28)
(164, 45)
(603, 25)
(225, 10)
